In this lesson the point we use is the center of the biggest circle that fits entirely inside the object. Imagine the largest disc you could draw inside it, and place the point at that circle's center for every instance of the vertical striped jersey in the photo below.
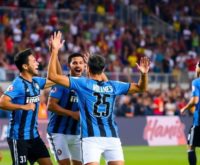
(96, 103)
(196, 93)
(23, 124)
(64, 124)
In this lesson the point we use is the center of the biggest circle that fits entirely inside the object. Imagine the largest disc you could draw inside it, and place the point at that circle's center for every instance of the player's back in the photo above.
(96, 102)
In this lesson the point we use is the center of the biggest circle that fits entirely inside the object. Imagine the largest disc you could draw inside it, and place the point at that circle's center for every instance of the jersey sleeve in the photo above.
(41, 81)
(14, 90)
(76, 82)
(195, 89)
(56, 91)
(121, 87)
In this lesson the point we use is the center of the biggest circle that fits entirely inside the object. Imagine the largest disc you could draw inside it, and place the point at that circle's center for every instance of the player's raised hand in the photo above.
(144, 65)
(29, 106)
(56, 40)
(86, 56)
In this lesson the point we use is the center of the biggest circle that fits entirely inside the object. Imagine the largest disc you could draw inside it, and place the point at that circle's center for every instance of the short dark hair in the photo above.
(22, 58)
(74, 55)
(96, 64)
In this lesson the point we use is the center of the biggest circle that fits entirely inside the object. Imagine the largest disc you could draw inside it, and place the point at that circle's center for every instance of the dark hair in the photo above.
(74, 55)
(96, 64)
(22, 58)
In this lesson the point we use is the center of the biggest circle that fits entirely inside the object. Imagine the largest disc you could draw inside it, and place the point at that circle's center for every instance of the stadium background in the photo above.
(122, 31)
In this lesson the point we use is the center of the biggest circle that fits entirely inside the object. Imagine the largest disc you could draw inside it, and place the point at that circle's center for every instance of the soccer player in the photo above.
(22, 97)
(64, 128)
(99, 132)
(194, 132)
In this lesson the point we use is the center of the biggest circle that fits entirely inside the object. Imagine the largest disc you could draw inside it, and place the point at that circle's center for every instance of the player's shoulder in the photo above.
(79, 79)
(36, 78)
(17, 81)
(16, 84)
(196, 81)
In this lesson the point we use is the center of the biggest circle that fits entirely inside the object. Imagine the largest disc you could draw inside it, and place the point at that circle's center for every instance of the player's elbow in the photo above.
(51, 76)
(144, 89)
(2, 104)
(50, 106)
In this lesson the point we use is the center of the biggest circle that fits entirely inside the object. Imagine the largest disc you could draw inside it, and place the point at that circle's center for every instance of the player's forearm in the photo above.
(58, 67)
(143, 82)
(53, 107)
(189, 106)
(10, 106)
(52, 65)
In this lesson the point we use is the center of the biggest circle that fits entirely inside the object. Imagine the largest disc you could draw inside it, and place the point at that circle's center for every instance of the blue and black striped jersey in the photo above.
(23, 124)
(96, 103)
(196, 93)
(64, 124)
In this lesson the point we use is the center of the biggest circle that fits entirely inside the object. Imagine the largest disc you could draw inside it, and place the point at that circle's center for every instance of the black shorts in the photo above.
(194, 136)
(27, 150)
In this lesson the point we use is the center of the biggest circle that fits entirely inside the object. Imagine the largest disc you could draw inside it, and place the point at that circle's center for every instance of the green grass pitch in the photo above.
(141, 155)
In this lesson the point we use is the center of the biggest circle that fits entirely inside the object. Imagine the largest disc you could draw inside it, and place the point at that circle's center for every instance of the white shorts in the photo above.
(93, 147)
(65, 146)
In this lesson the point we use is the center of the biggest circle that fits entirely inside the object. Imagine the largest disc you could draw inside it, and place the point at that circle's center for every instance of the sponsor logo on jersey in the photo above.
(33, 99)
(74, 99)
(100, 89)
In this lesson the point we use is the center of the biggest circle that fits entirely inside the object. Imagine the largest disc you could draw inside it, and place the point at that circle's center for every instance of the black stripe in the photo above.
(24, 113)
(112, 128)
(57, 123)
(74, 127)
(101, 127)
(66, 125)
(33, 119)
(111, 124)
(89, 122)
(69, 103)
(69, 107)
(12, 123)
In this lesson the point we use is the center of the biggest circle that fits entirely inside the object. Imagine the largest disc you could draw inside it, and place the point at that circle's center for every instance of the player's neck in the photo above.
(95, 77)
(26, 76)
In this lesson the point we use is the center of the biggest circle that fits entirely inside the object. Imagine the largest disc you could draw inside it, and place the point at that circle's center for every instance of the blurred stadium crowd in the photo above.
(110, 28)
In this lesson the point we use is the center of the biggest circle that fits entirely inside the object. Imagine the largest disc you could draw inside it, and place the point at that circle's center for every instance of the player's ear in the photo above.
(25, 66)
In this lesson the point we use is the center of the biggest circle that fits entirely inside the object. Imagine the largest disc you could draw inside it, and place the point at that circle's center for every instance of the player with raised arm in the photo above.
(64, 128)
(99, 131)
(194, 133)
(22, 97)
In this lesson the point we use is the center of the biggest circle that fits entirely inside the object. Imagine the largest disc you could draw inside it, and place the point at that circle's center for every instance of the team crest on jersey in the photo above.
(59, 151)
(37, 86)
(27, 90)
(53, 90)
(10, 88)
